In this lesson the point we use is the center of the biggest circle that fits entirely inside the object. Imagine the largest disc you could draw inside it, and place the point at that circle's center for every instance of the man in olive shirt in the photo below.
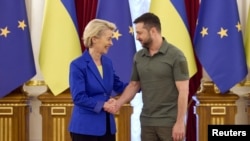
(160, 70)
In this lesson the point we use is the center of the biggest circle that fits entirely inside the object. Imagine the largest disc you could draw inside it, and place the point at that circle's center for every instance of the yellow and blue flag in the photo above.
(60, 43)
(247, 38)
(17, 64)
(123, 49)
(219, 43)
(175, 29)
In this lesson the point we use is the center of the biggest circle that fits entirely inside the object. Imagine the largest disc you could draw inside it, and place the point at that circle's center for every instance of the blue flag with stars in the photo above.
(123, 49)
(219, 43)
(17, 64)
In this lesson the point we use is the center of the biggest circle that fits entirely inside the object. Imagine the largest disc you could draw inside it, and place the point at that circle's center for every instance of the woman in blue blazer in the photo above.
(92, 80)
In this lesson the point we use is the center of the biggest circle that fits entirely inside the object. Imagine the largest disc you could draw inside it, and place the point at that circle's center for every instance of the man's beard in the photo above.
(147, 43)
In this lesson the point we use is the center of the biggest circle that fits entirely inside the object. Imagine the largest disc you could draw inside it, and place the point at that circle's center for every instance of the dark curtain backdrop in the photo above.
(192, 7)
(85, 11)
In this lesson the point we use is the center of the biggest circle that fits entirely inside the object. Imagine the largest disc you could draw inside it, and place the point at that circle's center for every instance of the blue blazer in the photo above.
(89, 92)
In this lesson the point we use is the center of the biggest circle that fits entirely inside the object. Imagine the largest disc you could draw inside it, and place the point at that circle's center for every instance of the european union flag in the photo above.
(17, 64)
(123, 49)
(219, 43)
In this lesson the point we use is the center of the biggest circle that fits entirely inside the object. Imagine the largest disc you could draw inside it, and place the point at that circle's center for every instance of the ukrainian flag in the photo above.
(60, 43)
(172, 14)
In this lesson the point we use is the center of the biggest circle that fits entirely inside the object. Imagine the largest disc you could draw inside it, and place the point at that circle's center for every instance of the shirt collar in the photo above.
(162, 50)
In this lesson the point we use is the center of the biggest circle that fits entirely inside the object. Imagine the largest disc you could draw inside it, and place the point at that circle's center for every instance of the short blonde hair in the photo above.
(95, 28)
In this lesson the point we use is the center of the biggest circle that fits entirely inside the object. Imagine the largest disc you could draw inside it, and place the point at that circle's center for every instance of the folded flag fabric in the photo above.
(17, 64)
(219, 43)
(60, 43)
(172, 14)
(123, 49)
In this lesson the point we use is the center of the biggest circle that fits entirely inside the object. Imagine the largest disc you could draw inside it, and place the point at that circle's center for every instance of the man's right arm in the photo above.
(127, 95)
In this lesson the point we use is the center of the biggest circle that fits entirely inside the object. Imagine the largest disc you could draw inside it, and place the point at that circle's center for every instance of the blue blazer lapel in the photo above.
(94, 70)
(107, 73)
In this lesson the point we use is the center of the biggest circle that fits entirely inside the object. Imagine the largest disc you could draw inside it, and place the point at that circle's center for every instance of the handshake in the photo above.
(111, 106)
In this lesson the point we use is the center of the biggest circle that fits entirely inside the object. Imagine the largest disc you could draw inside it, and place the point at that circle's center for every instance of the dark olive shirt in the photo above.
(157, 75)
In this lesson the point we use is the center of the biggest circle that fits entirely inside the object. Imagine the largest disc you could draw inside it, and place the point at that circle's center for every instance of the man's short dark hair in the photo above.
(150, 20)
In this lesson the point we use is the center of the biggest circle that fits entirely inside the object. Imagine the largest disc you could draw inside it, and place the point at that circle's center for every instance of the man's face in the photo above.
(143, 35)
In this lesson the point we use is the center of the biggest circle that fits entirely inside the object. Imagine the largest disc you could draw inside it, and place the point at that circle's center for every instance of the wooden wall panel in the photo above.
(213, 108)
(14, 117)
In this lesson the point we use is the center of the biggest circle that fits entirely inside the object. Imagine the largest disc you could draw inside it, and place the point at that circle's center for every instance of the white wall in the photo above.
(35, 13)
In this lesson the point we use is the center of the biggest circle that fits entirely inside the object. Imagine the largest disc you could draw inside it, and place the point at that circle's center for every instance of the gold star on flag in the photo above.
(238, 26)
(222, 32)
(131, 30)
(21, 24)
(204, 31)
(116, 34)
(4, 31)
